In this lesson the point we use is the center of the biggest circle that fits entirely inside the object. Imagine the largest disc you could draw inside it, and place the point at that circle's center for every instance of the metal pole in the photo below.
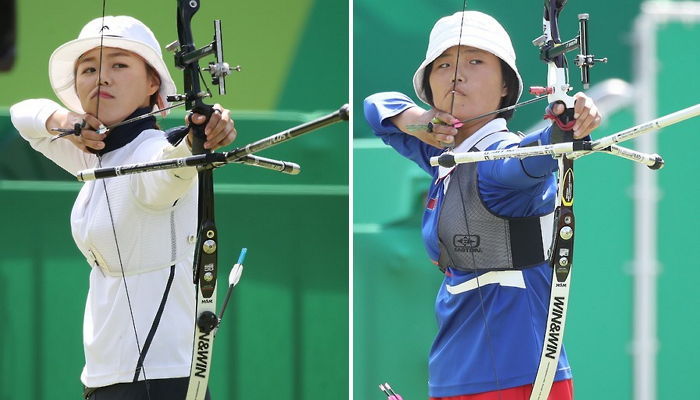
(646, 194)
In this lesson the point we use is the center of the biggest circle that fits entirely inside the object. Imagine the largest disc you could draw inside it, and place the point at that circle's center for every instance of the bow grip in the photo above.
(561, 124)
(198, 138)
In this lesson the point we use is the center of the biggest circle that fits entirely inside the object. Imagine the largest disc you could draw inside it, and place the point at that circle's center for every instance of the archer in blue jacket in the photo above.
(488, 226)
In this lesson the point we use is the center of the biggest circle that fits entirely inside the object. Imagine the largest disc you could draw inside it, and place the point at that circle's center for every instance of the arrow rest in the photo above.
(188, 97)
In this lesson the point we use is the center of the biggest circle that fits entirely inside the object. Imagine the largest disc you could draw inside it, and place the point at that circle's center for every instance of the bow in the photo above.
(562, 251)
(205, 267)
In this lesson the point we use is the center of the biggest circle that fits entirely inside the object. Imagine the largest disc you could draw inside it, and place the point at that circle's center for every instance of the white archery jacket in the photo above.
(154, 217)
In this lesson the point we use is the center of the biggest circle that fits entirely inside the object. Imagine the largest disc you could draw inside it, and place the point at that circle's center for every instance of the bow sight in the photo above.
(186, 55)
(550, 51)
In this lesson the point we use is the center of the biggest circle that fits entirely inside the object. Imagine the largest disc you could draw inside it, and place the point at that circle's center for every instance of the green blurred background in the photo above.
(395, 283)
(286, 331)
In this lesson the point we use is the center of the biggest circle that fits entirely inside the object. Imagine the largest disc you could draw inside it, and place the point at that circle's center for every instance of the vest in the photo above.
(472, 238)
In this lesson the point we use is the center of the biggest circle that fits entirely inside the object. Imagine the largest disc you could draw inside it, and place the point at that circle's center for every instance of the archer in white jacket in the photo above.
(137, 232)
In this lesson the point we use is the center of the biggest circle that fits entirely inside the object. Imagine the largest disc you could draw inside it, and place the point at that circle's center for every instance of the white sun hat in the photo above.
(121, 32)
(478, 30)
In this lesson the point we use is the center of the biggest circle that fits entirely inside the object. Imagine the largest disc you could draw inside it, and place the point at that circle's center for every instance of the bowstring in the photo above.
(464, 210)
(481, 295)
(111, 216)
(454, 78)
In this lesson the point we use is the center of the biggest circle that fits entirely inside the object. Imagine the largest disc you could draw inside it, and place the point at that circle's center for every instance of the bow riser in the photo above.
(183, 60)
(553, 53)
(557, 82)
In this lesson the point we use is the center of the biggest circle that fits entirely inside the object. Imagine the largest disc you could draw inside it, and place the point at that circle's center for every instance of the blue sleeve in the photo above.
(542, 166)
(517, 188)
(378, 109)
(514, 173)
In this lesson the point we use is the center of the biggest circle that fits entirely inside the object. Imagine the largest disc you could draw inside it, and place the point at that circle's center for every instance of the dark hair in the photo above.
(152, 73)
(426, 83)
(153, 100)
(509, 78)
(513, 86)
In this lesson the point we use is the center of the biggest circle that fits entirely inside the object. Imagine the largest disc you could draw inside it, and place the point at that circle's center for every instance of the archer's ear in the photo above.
(153, 80)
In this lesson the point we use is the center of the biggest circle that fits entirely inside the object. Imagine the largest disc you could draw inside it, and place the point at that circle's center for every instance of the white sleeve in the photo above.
(29, 118)
(160, 189)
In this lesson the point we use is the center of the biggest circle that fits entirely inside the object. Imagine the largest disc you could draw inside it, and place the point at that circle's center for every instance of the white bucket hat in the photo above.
(122, 32)
(479, 30)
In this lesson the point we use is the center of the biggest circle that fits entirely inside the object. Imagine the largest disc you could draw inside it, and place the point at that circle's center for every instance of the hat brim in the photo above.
(62, 67)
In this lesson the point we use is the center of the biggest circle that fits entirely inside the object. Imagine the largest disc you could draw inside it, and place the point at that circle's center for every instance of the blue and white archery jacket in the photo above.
(489, 337)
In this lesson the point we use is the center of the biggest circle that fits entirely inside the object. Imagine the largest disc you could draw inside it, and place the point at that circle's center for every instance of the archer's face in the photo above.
(479, 86)
(126, 84)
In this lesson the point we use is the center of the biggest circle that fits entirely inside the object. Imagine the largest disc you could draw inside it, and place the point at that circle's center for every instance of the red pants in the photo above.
(561, 390)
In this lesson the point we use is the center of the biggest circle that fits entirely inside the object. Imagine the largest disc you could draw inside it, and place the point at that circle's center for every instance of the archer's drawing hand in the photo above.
(414, 121)
(220, 129)
(586, 114)
(88, 141)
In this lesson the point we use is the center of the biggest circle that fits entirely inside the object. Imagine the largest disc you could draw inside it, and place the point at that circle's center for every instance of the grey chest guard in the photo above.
(472, 238)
